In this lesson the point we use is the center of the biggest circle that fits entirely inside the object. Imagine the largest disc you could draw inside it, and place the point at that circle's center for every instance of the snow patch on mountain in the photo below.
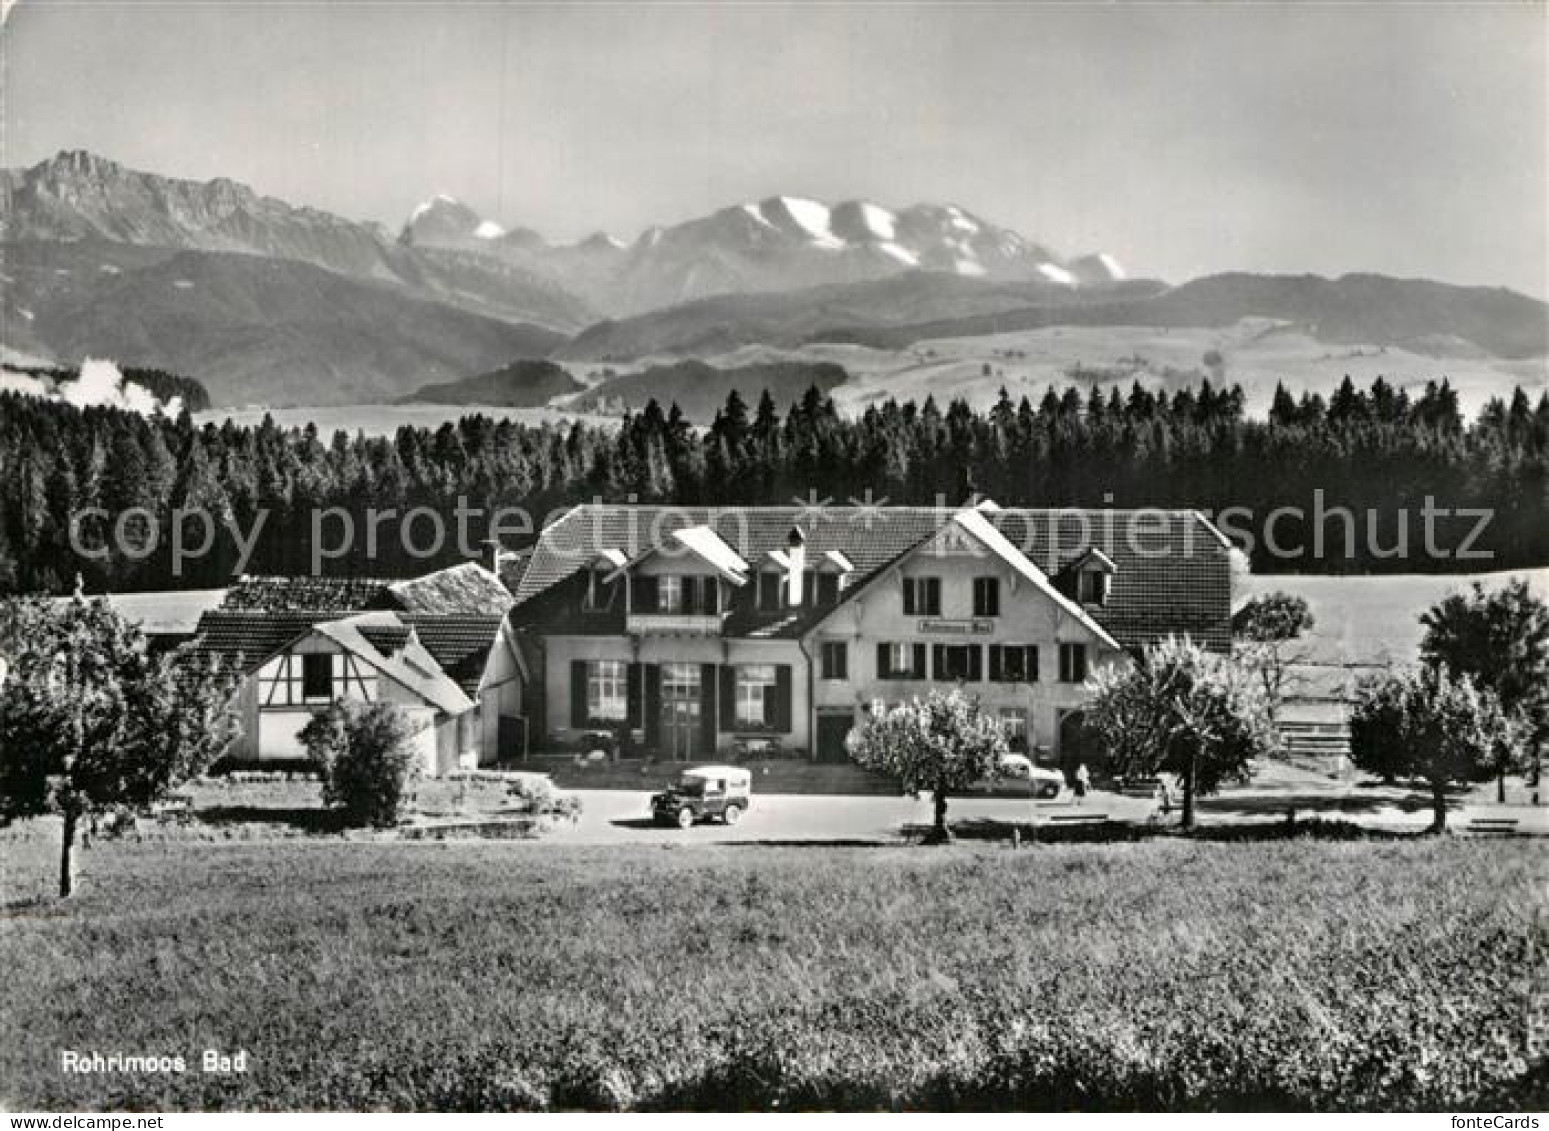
(427, 206)
(879, 221)
(1057, 274)
(488, 230)
(813, 218)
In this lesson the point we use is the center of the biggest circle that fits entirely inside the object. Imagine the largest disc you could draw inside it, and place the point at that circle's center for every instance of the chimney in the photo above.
(796, 554)
(493, 552)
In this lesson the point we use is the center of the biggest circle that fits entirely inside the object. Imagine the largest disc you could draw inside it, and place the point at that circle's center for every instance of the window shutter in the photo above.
(917, 668)
(883, 671)
(653, 704)
(633, 692)
(1030, 663)
(645, 595)
(938, 661)
(975, 663)
(707, 689)
(728, 686)
(578, 693)
(933, 596)
(712, 595)
(996, 669)
(909, 597)
(782, 700)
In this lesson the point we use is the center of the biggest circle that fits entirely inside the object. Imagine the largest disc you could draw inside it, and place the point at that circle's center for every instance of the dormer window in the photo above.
(1094, 572)
(827, 588)
(1093, 587)
(770, 584)
(599, 589)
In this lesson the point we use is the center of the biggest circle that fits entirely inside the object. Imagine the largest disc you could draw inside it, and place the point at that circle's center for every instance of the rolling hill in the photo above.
(529, 383)
(275, 331)
(790, 318)
(700, 390)
(1366, 309)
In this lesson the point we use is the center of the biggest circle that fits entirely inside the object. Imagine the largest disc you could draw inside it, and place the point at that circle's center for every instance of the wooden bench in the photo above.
(173, 807)
(1493, 825)
(1142, 787)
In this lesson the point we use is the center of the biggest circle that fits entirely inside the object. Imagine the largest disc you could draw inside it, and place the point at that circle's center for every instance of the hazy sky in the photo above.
(1184, 139)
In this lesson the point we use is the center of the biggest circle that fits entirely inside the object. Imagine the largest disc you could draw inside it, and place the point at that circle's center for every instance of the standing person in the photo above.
(1083, 782)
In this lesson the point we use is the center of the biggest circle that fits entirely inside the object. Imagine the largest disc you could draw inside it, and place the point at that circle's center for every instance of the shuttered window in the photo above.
(1014, 663)
(835, 660)
(755, 694)
(958, 662)
(607, 691)
(901, 660)
(1072, 663)
(986, 596)
(922, 596)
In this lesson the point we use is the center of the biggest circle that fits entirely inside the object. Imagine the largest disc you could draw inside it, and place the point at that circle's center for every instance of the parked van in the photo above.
(704, 793)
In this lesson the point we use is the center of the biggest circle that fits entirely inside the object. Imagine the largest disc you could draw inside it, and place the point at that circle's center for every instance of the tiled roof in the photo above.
(253, 636)
(385, 638)
(467, 589)
(1172, 570)
(306, 594)
(429, 682)
(460, 644)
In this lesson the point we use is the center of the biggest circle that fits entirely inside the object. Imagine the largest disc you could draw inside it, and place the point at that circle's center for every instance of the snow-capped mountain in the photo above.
(780, 243)
(77, 197)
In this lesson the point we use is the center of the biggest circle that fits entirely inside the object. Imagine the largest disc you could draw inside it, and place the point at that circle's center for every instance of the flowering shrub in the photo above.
(363, 755)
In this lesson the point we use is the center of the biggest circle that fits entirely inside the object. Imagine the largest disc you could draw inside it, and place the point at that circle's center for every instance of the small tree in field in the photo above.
(91, 720)
(1185, 711)
(363, 754)
(942, 743)
(1427, 723)
(1500, 638)
(1262, 634)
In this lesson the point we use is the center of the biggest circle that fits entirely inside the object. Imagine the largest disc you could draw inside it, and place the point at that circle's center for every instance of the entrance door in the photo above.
(681, 711)
(1078, 746)
(833, 728)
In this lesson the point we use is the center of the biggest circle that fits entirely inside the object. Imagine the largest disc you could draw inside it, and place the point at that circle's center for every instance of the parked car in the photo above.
(1043, 784)
(704, 793)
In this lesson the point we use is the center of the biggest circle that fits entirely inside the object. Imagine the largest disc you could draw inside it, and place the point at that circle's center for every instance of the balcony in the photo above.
(674, 624)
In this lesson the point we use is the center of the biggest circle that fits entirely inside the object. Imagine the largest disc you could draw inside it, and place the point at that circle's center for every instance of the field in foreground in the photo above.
(1300, 974)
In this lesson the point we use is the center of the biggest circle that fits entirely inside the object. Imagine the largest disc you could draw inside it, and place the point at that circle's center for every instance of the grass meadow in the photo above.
(1304, 973)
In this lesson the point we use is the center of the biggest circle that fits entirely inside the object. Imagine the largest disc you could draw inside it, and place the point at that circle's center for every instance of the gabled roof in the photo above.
(250, 636)
(978, 525)
(426, 680)
(712, 548)
(1175, 579)
(1092, 556)
(459, 644)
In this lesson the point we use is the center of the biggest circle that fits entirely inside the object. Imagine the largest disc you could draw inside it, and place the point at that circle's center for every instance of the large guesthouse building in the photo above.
(681, 632)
